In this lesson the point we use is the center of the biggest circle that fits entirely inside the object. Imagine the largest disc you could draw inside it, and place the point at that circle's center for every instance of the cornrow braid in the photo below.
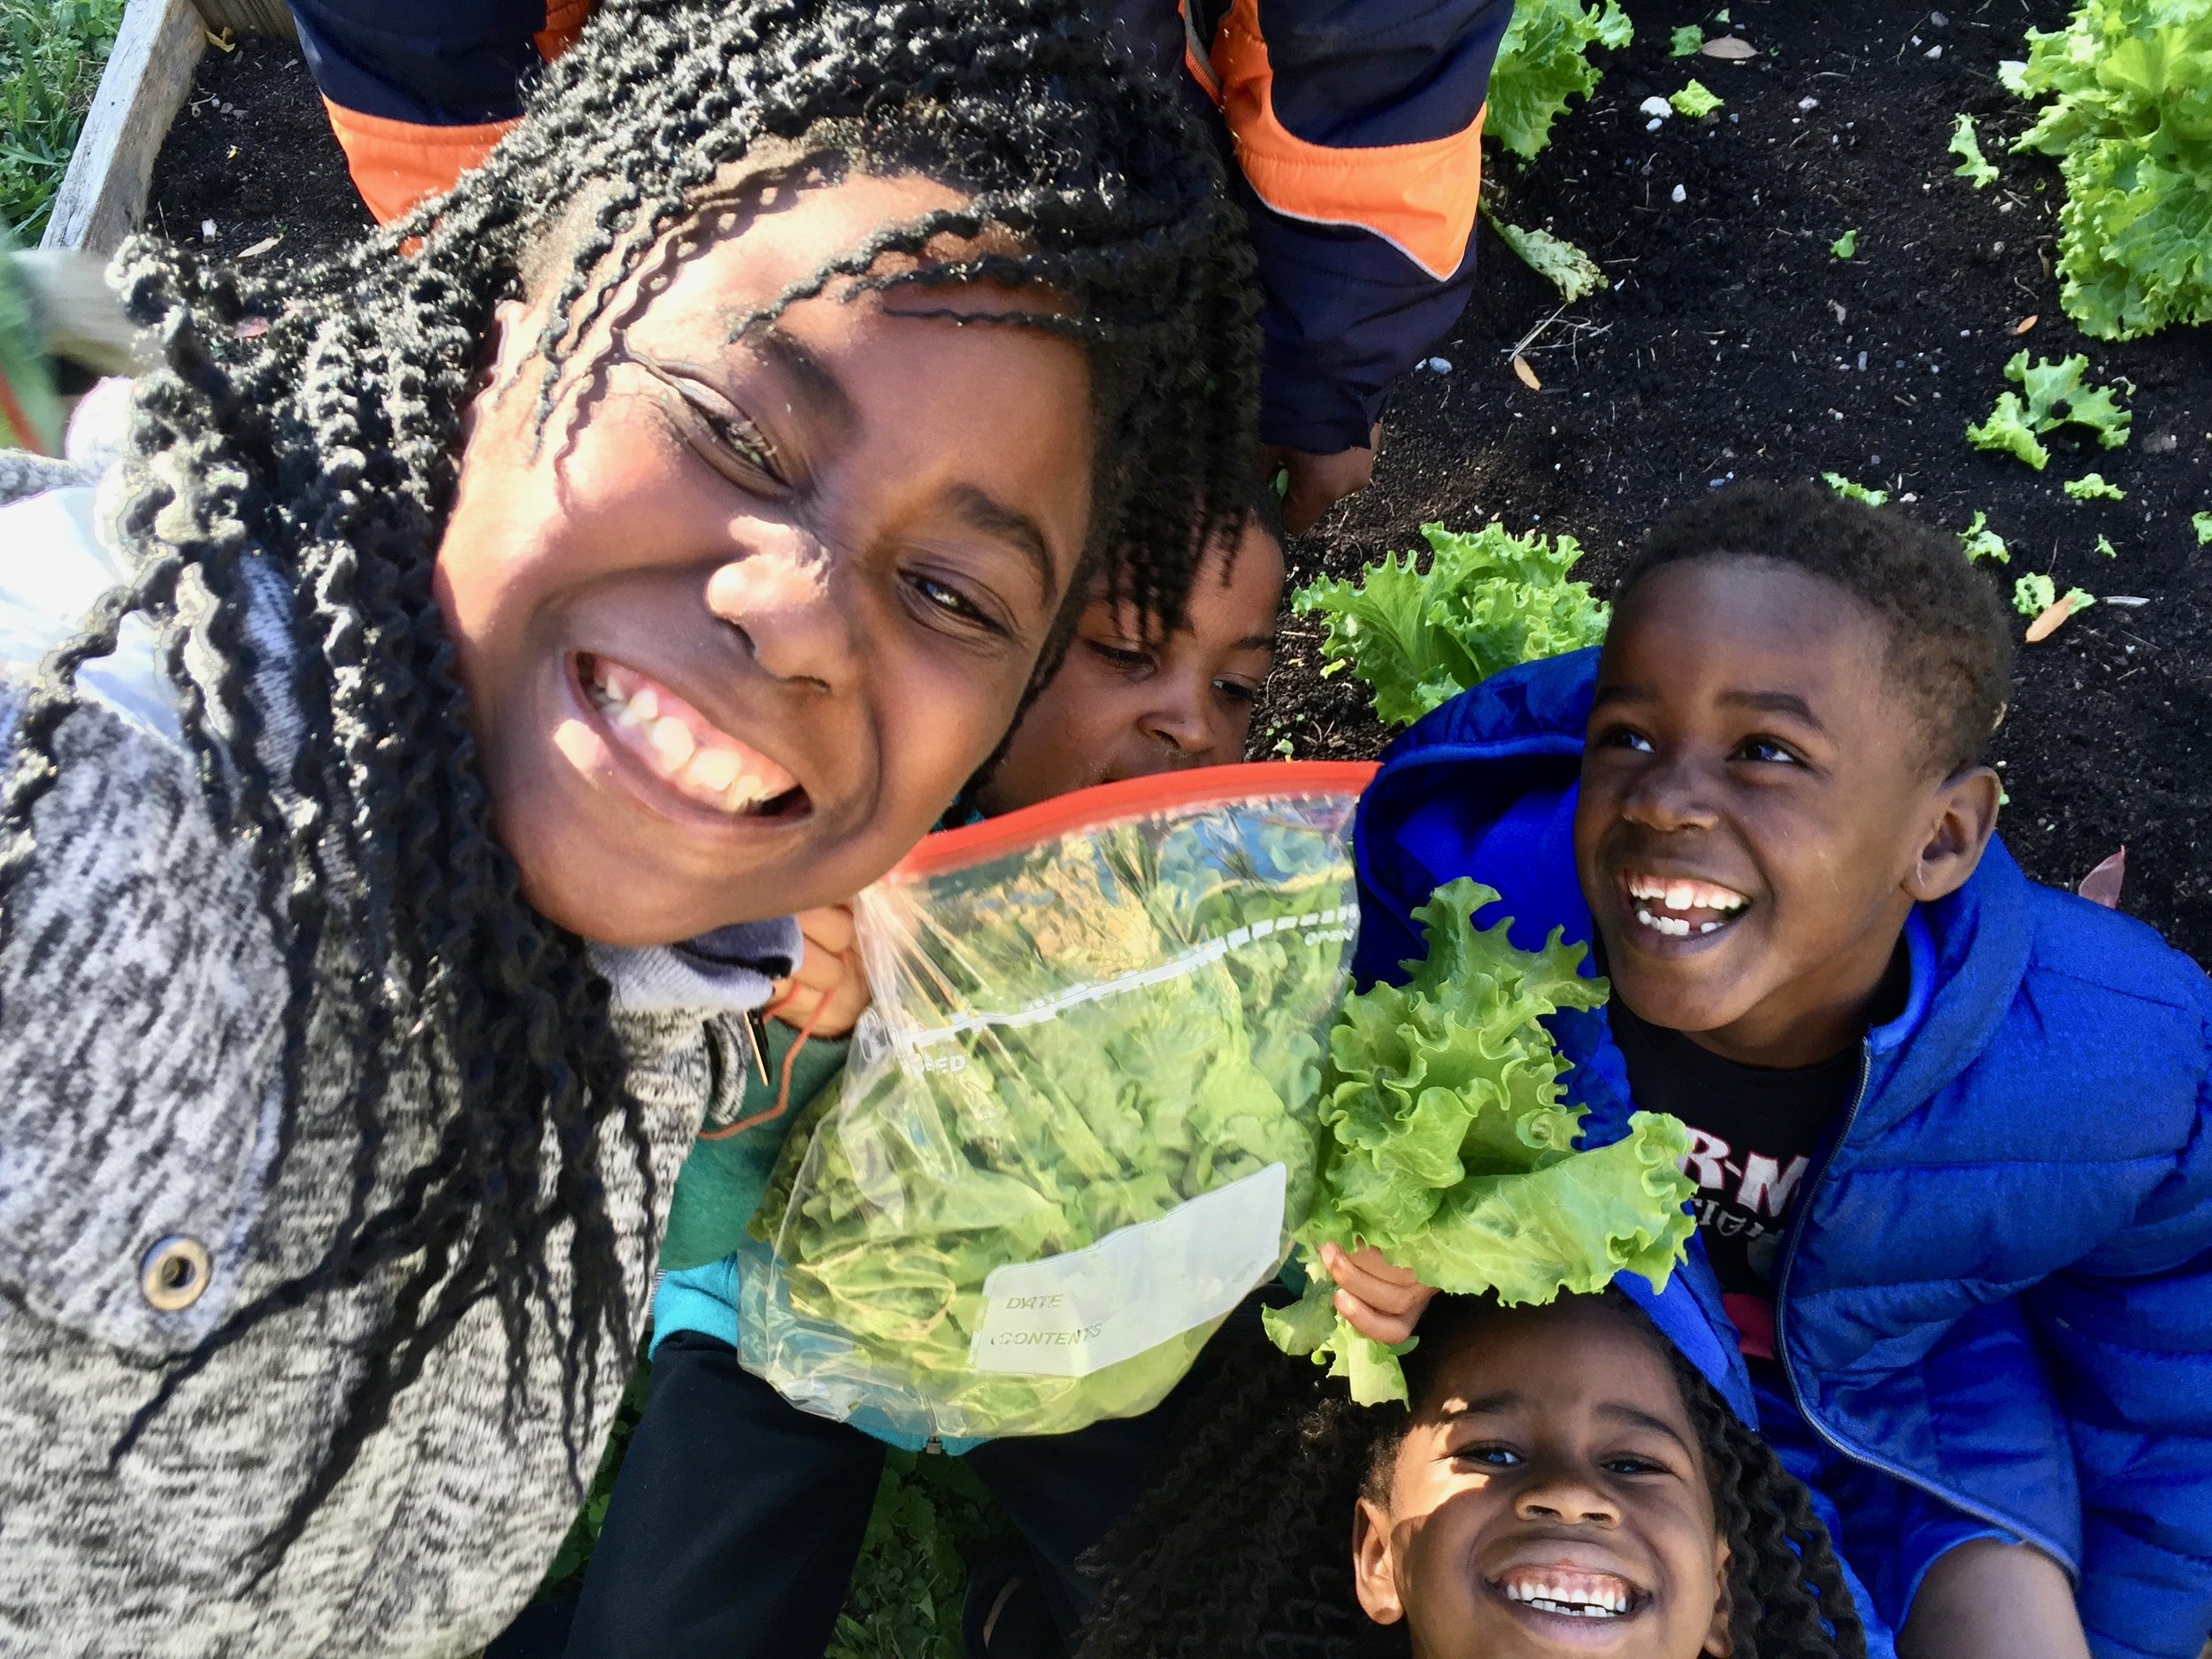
(1244, 1549)
(296, 459)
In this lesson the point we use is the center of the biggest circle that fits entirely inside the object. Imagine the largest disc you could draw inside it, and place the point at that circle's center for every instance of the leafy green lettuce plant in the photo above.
(2130, 122)
(1487, 601)
(1850, 491)
(1543, 62)
(1449, 1147)
(2052, 394)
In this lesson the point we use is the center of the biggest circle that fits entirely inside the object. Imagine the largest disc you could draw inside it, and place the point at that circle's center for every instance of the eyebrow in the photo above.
(995, 517)
(1760, 702)
(816, 384)
(1255, 642)
(1617, 1410)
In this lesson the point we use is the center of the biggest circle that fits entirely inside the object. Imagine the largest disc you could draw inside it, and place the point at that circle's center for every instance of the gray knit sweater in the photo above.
(140, 998)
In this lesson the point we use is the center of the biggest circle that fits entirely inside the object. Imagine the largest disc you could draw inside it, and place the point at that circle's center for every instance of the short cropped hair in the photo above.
(1950, 641)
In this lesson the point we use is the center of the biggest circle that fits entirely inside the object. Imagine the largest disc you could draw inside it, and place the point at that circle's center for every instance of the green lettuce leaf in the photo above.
(1559, 262)
(1542, 63)
(2032, 595)
(1450, 1146)
(1973, 166)
(1695, 100)
(2201, 523)
(1684, 41)
(1849, 491)
(2092, 486)
(2055, 395)
(1487, 601)
(1979, 541)
(2130, 121)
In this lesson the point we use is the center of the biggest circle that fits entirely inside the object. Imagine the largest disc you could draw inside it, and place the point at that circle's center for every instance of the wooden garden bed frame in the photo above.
(103, 196)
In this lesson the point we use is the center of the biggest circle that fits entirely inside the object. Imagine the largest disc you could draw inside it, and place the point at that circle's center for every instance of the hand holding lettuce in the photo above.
(1449, 1147)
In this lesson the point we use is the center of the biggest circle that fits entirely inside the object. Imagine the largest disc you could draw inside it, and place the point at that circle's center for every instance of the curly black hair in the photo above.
(1950, 640)
(1244, 1548)
(304, 436)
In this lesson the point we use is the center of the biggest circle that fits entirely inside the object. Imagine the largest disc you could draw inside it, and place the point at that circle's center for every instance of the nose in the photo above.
(783, 593)
(1181, 719)
(1565, 1496)
(1669, 795)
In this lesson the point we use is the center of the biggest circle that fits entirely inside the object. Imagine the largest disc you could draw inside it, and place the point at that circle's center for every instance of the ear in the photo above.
(505, 348)
(1374, 1565)
(1965, 818)
(1720, 1635)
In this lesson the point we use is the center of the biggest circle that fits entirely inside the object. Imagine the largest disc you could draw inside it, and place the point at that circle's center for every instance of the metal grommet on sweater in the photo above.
(175, 1274)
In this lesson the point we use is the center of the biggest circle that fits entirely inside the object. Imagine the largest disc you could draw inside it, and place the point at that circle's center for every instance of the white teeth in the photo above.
(1680, 896)
(1709, 927)
(713, 770)
(671, 741)
(1550, 1597)
(1672, 927)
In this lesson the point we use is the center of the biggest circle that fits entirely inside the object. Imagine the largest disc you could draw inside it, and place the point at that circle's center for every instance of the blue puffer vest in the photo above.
(1998, 1284)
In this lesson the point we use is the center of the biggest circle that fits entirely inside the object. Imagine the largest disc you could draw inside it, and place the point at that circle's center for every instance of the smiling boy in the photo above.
(1950, 1128)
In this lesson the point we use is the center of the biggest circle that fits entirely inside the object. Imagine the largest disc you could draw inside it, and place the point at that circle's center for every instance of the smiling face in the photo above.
(1548, 1500)
(1123, 708)
(738, 630)
(1758, 811)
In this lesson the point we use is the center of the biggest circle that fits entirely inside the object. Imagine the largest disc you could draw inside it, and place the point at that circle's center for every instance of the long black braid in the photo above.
(302, 442)
(1245, 1548)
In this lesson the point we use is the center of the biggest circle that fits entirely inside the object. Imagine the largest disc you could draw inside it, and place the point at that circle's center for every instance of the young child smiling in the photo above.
(518, 617)
(1566, 1482)
(1951, 1129)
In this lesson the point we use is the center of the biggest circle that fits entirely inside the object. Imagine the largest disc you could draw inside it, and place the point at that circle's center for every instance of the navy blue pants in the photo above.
(737, 1518)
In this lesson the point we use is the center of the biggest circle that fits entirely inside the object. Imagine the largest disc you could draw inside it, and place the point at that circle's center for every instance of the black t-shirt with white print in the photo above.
(1754, 1130)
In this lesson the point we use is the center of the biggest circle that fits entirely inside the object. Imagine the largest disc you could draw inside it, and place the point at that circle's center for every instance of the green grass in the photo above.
(51, 52)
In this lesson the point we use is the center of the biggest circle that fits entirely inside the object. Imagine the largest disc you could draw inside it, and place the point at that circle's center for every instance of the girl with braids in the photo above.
(1566, 1482)
(522, 614)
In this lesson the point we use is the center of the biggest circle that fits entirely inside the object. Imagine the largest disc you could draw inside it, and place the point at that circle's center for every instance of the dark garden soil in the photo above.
(251, 153)
(1732, 343)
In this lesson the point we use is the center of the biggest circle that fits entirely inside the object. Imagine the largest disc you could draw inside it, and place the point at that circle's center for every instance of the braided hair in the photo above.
(303, 440)
(1245, 1548)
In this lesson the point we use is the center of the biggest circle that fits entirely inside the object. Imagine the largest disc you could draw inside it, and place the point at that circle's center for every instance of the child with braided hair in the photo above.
(1566, 1482)
(519, 618)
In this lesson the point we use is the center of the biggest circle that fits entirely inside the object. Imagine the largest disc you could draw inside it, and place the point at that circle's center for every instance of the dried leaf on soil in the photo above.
(1526, 375)
(2053, 615)
(1730, 48)
(2101, 885)
(2025, 324)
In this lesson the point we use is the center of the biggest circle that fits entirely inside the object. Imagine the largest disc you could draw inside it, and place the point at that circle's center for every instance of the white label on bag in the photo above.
(1070, 1315)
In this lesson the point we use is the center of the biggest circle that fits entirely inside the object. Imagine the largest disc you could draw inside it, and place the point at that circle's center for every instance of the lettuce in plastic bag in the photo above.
(1079, 1028)
(1451, 1150)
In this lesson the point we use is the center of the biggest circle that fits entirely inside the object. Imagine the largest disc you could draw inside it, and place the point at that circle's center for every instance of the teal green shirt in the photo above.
(721, 1183)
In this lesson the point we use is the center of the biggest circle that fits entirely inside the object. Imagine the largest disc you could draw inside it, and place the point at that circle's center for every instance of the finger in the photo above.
(831, 927)
(1386, 1328)
(1370, 1261)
